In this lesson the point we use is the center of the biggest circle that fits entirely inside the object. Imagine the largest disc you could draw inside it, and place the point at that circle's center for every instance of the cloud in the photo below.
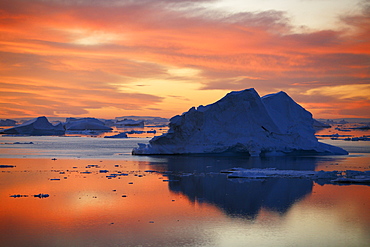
(73, 56)
(361, 91)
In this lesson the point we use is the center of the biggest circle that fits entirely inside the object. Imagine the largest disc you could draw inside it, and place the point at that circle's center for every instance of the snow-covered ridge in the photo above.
(241, 123)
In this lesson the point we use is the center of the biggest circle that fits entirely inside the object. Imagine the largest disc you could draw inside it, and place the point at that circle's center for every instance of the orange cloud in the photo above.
(63, 57)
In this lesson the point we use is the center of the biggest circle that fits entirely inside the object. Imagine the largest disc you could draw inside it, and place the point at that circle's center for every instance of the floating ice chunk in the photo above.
(351, 176)
(120, 135)
(18, 195)
(269, 172)
(135, 132)
(6, 166)
(41, 195)
(348, 176)
(357, 179)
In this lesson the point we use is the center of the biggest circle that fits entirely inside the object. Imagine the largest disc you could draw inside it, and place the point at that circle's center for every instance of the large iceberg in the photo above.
(36, 126)
(241, 123)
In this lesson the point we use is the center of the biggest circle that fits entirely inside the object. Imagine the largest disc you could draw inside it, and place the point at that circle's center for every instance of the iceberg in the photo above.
(85, 124)
(120, 135)
(7, 122)
(242, 123)
(36, 126)
(320, 125)
(130, 123)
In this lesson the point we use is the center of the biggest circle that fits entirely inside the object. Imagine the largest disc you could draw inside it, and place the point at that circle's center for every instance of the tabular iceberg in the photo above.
(241, 123)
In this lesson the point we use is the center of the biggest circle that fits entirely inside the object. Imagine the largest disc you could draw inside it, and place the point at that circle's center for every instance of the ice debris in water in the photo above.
(348, 176)
(120, 135)
(18, 195)
(41, 195)
(38, 195)
(6, 166)
(241, 123)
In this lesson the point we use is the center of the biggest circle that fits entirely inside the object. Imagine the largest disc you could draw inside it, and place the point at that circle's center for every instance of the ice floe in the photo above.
(348, 176)
(120, 135)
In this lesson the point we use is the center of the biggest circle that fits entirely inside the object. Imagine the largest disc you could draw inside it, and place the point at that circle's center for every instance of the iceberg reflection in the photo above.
(199, 178)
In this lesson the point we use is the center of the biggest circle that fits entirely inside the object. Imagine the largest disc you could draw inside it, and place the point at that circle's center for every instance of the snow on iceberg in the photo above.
(241, 123)
(36, 126)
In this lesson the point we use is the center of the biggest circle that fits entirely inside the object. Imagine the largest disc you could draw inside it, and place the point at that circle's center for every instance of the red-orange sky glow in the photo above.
(112, 58)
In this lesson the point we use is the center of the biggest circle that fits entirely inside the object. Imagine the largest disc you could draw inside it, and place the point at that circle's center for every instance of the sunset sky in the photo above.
(110, 58)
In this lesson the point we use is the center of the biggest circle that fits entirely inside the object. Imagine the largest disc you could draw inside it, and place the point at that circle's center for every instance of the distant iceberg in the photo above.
(7, 122)
(317, 125)
(241, 123)
(120, 135)
(36, 126)
(76, 124)
(130, 123)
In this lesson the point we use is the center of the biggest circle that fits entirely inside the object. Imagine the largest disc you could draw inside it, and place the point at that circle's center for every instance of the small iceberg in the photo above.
(41, 195)
(120, 135)
(6, 166)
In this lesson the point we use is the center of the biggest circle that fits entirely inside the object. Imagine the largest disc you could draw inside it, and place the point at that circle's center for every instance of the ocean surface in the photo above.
(90, 191)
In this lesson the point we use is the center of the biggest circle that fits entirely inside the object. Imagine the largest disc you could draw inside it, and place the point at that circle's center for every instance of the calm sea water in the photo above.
(101, 195)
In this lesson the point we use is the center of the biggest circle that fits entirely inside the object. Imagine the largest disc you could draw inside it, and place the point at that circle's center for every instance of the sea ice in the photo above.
(241, 123)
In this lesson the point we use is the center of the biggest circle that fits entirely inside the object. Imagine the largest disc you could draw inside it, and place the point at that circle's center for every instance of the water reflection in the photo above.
(244, 199)
(199, 178)
(202, 208)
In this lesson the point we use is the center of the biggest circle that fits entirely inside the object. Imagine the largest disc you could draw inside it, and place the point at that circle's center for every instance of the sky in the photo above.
(111, 58)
